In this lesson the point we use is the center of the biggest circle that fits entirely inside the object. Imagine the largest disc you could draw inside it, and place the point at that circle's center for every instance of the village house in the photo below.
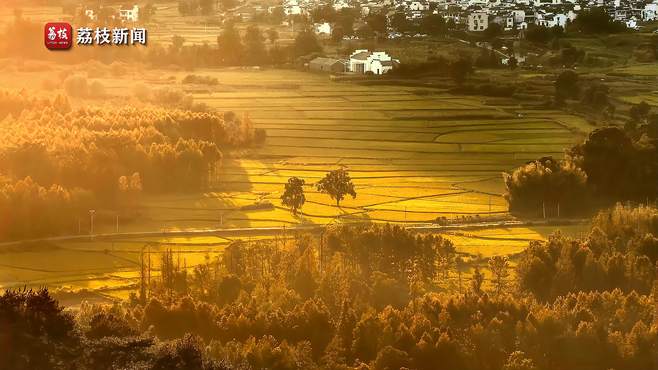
(326, 65)
(341, 4)
(378, 62)
(550, 20)
(322, 29)
(292, 8)
(650, 12)
(478, 21)
(129, 15)
(418, 6)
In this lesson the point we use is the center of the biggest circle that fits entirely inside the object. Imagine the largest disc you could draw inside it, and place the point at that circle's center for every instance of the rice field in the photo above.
(415, 155)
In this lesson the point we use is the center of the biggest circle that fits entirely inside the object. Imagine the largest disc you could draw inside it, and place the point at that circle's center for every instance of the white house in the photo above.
(519, 15)
(650, 12)
(322, 29)
(418, 6)
(551, 20)
(478, 21)
(377, 62)
(292, 8)
(341, 4)
(508, 22)
(129, 15)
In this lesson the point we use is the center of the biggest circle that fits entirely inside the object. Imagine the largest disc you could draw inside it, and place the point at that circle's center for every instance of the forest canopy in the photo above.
(371, 297)
(58, 152)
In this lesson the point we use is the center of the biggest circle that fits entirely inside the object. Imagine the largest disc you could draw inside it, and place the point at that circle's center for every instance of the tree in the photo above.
(254, 46)
(377, 22)
(596, 96)
(337, 184)
(293, 195)
(518, 361)
(478, 280)
(433, 24)
(400, 23)
(306, 43)
(345, 20)
(272, 35)
(547, 185)
(566, 86)
(390, 358)
(337, 34)
(230, 45)
(461, 69)
(493, 30)
(323, 13)
(597, 20)
(539, 34)
(640, 112)
(499, 268)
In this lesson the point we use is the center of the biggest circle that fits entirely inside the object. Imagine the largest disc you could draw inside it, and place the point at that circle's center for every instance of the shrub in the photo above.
(200, 80)
(76, 86)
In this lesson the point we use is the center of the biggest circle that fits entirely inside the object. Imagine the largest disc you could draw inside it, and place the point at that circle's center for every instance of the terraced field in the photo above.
(414, 153)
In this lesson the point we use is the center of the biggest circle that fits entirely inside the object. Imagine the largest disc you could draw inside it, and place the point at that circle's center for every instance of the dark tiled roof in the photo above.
(361, 56)
(325, 61)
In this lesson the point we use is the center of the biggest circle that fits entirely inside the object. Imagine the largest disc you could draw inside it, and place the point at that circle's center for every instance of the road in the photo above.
(270, 231)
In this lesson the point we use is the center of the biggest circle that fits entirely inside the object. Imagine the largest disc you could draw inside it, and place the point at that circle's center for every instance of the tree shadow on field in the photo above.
(360, 217)
(232, 177)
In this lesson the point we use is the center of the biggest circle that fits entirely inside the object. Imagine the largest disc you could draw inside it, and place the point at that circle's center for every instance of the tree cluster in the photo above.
(620, 252)
(51, 153)
(368, 297)
(611, 165)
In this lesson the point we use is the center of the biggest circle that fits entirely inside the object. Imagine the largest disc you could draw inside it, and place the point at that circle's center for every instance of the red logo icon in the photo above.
(57, 35)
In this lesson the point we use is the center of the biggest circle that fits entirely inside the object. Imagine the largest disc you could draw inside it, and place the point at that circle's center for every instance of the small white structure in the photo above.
(340, 4)
(632, 23)
(508, 22)
(550, 20)
(478, 21)
(378, 62)
(129, 15)
(91, 15)
(322, 29)
(417, 6)
(292, 8)
(519, 15)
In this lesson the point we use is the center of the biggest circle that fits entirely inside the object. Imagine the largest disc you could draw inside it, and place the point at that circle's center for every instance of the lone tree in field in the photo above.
(337, 184)
(293, 195)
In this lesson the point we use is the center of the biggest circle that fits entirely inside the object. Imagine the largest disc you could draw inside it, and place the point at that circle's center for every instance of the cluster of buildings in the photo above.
(477, 15)
(361, 61)
(125, 14)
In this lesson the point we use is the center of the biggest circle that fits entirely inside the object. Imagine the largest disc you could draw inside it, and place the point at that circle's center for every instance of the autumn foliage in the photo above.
(61, 152)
